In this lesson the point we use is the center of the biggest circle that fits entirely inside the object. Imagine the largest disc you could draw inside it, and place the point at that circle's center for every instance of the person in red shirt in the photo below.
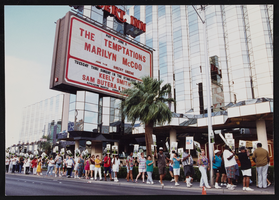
(107, 166)
(34, 165)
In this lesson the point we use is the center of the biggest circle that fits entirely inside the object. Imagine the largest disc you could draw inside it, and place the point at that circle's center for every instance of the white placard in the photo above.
(231, 144)
(154, 140)
(242, 143)
(197, 147)
(190, 142)
(174, 146)
(152, 149)
(168, 147)
(180, 152)
(136, 148)
(108, 148)
(101, 61)
(114, 150)
(228, 135)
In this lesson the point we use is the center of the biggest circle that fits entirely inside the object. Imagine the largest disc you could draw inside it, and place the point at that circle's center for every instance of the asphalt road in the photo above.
(17, 185)
(32, 185)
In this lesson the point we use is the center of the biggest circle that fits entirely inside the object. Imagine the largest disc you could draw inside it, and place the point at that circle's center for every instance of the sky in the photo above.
(29, 33)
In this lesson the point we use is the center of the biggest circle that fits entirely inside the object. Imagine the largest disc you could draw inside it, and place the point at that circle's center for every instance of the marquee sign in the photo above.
(88, 57)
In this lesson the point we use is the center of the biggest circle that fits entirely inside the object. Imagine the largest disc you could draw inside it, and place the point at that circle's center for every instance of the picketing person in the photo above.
(149, 170)
(39, 166)
(87, 167)
(161, 160)
(115, 166)
(216, 165)
(230, 162)
(142, 167)
(98, 162)
(223, 172)
(171, 166)
(187, 162)
(129, 165)
(92, 166)
(246, 170)
(176, 168)
(7, 164)
(58, 162)
(261, 158)
(203, 166)
(69, 165)
(51, 164)
(80, 166)
(34, 163)
(107, 166)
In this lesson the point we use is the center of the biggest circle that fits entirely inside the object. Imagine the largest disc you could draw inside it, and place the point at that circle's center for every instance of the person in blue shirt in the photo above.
(176, 168)
(149, 169)
(217, 161)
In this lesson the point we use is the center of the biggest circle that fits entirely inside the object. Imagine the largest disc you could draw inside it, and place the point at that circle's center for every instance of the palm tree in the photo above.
(146, 102)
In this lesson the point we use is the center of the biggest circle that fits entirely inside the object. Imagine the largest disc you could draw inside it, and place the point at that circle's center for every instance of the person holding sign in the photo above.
(187, 162)
(230, 163)
(203, 165)
(161, 164)
(149, 170)
(115, 166)
(107, 166)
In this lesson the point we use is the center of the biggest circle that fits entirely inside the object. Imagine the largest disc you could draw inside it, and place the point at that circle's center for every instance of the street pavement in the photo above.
(33, 185)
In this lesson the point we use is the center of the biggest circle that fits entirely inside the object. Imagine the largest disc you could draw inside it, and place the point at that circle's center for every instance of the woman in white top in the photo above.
(7, 164)
(26, 165)
(115, 166)
(76, 166)
(51, 164)
(142, 167)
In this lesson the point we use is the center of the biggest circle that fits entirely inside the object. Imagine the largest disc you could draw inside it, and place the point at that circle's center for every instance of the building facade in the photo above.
(240, 54)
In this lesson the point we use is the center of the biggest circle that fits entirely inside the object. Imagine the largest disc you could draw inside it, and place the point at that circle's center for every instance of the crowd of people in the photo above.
(224, 164)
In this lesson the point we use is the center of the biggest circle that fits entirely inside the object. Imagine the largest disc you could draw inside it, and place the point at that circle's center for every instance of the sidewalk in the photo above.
(167, 185)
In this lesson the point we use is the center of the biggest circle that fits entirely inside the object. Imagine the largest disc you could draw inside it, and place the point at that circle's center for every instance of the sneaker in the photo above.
(176, 184)
(231, 188)
(268, 184)
(172, 180)
(115, 180)
(217, 186)
(222, 184)
(244, 188)
(249, 189)
(55, 175)
(147, 182)
(208, 187)
(225, 184)
(91, 178)
(229, 185)
(188, 185)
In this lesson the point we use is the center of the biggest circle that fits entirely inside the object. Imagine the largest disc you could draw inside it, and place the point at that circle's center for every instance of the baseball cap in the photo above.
(161, 148)
(242, 148)
(216, 151)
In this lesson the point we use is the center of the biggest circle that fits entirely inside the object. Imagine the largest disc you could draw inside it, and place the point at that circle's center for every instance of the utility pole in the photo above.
(207, 75)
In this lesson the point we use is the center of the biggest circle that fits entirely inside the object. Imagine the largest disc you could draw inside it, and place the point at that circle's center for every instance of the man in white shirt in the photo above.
(14, 161)
(229, 162)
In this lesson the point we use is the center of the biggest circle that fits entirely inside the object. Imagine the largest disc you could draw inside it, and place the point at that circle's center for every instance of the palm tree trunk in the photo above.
(148, 137)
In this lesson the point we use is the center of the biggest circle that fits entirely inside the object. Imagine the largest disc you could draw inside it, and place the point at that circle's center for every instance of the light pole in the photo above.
(207, 74)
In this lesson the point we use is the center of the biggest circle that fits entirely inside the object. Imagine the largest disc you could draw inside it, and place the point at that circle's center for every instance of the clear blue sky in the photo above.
(29, 38)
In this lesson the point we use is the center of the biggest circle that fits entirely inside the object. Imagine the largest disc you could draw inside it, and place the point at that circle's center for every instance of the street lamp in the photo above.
(207, 74)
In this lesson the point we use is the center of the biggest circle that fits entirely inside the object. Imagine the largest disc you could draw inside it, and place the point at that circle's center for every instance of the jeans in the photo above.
(19, 168)
(203, 176)
(149, 178)
(262, 175)
(7, 168)
(50, 169)
(96, 171)
(69, 171)
(14, 168)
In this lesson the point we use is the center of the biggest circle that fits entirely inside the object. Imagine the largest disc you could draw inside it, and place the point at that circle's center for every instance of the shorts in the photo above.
(230, 172)
(115, 169)
(188, 170)
(176, 171)
(58, 165)
(171, 169)
(162, 170)
(247, 172)
(222, 170)
(218, 170)
(142, 170)
(107, 169)
(92, 167)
